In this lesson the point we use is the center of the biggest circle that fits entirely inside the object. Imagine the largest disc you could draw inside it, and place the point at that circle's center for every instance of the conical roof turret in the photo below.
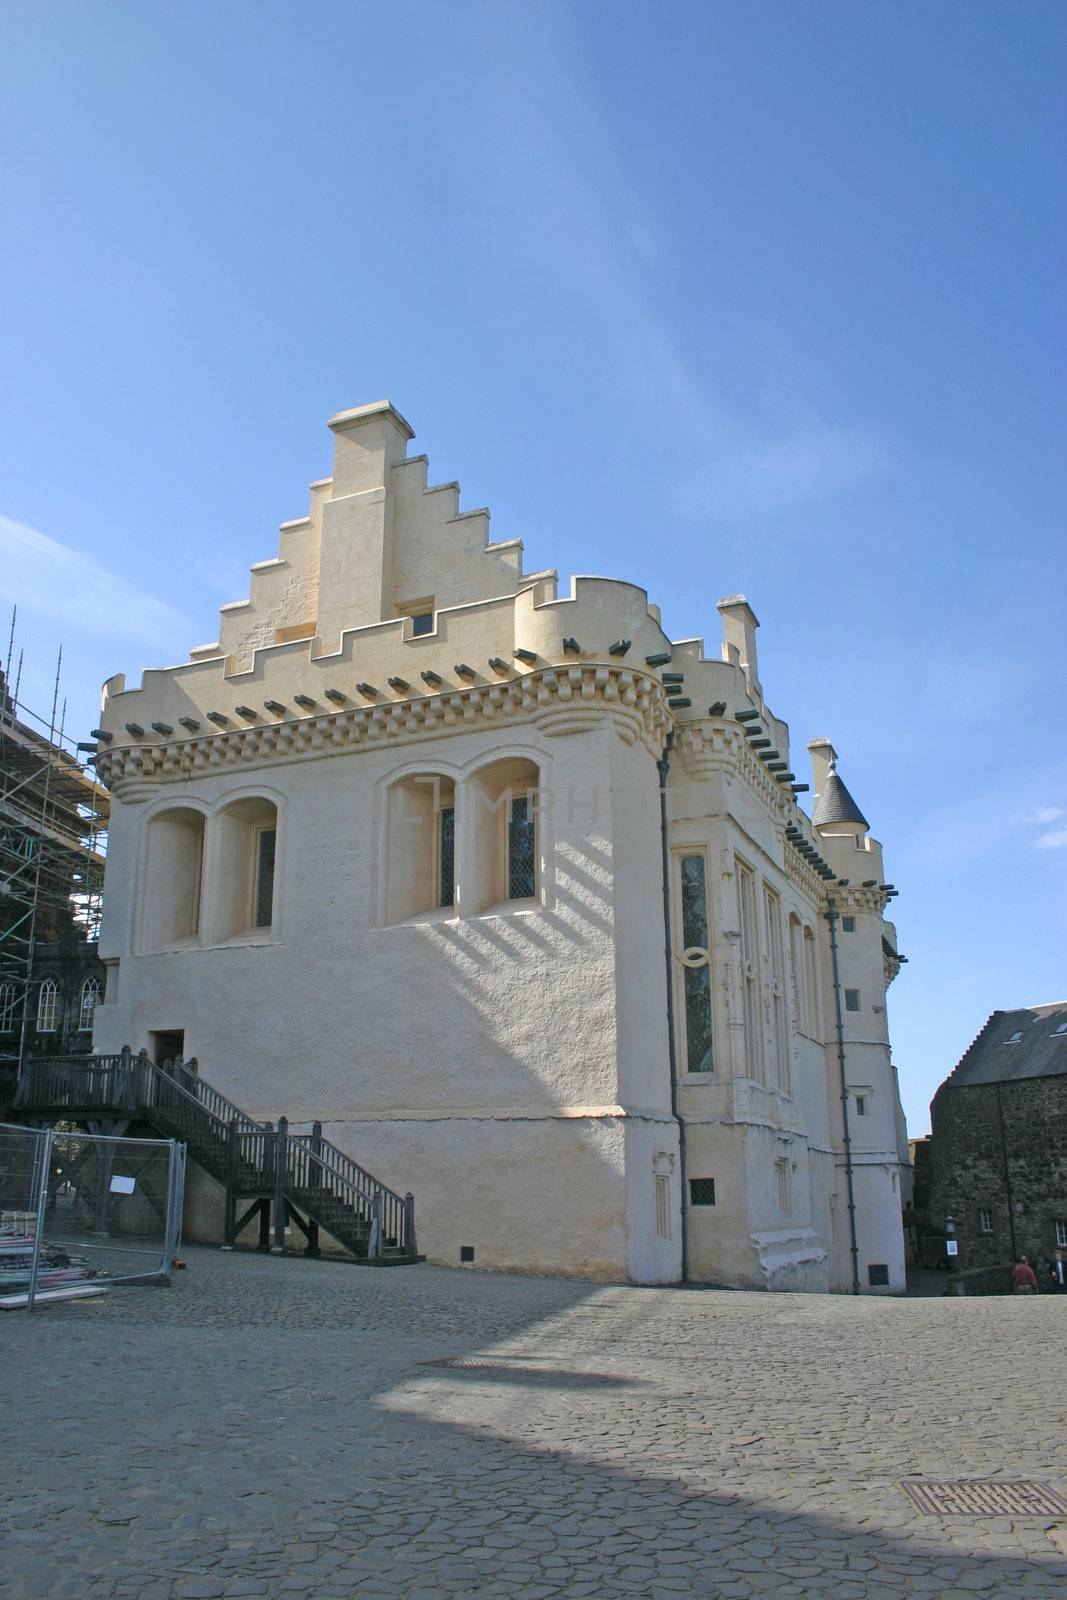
(833, 803)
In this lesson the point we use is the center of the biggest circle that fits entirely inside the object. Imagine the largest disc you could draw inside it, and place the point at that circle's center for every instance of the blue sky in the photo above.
(718, 296)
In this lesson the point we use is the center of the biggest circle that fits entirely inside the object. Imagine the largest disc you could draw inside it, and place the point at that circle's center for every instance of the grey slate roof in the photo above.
(833, 803)
(1039, 1052)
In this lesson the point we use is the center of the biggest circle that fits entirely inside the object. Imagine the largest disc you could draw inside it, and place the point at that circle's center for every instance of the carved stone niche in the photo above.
(663, 1163)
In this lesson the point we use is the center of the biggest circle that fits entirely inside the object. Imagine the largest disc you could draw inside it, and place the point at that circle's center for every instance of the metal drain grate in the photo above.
(984, 1497)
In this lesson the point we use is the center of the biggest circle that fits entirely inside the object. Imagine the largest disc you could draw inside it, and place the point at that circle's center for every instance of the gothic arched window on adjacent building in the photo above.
(48, 1006)
(87, 1009)
(8, 1007)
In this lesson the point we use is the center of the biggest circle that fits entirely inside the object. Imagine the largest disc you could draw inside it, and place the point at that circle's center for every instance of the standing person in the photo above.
(1023, 1280)
(1057, 1271)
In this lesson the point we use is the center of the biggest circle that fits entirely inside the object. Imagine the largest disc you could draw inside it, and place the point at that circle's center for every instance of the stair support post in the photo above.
(229, 1223)
(280, 1153)
(410, 1246)
(374, 1238)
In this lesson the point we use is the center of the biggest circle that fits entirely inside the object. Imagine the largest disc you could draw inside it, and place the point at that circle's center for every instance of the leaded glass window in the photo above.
(447, 846)
(8, 1003)
(87, 1010)
(264, 906)
(698, 1035)
(522, 849)
(48, 1006)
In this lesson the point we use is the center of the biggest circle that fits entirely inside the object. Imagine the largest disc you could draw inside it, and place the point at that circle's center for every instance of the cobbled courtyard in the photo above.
(278, 1427)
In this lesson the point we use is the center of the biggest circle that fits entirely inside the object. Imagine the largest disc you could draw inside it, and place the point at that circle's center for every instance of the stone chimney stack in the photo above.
(823, 757)
(739, 624)
(355, 556)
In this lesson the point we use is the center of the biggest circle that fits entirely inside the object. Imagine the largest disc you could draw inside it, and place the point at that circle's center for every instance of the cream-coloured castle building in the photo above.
(389, 854)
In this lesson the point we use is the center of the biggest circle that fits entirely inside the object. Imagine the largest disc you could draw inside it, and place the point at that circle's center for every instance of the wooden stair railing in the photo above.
(308, 1179)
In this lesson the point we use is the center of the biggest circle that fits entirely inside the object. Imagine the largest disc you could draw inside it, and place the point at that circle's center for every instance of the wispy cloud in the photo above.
(1054, 839)
(68, 586)
(556, 173)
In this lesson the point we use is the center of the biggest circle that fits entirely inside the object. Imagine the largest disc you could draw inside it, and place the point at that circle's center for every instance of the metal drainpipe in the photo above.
(831, 917)
(663, 767)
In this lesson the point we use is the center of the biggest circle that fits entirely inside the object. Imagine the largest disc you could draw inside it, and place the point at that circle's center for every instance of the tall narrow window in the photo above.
(985, 1222)
(264, 896)
(87, 1009)
(746, 907)
(852, 999)
(48, 1006)
(796, 974)
(446, 856)
(522, 855)
(1061, 1233)
(811, 983)
(699, 1056)
(772, 909)
(8, 1005)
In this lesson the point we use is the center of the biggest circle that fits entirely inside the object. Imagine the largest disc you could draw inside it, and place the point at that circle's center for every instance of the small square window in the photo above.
(878, 1275)
(848, 924)
(702, 1191)
(852, 999)
(861, 1105)
(466, 1252)
(421, 622)
(1014, 1038)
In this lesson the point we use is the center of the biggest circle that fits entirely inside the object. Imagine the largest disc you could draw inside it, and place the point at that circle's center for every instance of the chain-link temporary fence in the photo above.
(81, 1211)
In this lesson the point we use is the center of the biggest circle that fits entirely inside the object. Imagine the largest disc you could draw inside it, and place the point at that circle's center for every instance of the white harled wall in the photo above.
(505, 1061)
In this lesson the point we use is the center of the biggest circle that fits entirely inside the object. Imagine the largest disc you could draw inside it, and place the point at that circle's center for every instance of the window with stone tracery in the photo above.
(8, 1007)
(87, 1009)
(695, 956)
(749, 953)
(772, 910)
(48, 1006)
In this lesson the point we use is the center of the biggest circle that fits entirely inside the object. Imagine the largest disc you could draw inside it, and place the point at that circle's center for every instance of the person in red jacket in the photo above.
(1022, 1277)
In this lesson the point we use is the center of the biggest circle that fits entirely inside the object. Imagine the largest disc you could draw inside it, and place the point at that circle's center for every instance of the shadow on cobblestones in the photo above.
(273, 1428)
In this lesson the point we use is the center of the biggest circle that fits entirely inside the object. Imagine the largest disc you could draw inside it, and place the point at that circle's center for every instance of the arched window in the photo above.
(248, 833)
(171, 901)
(420, 846)
(8, 1007)
(87, 1009)
(48, 1006)
(506, 833)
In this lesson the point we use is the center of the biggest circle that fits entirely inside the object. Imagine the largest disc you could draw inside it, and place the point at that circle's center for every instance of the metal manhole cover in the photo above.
(984, 1497)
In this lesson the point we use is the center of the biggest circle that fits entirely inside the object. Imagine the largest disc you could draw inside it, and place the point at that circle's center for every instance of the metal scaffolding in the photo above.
(53, 822)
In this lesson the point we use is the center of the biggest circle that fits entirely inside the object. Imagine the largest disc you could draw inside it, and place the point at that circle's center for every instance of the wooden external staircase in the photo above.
(300, 1178)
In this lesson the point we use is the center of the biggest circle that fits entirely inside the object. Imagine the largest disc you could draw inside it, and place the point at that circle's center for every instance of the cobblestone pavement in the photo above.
(270, 1427)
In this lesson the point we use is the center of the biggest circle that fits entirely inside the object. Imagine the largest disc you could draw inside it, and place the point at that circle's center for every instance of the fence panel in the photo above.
(80, 1212)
